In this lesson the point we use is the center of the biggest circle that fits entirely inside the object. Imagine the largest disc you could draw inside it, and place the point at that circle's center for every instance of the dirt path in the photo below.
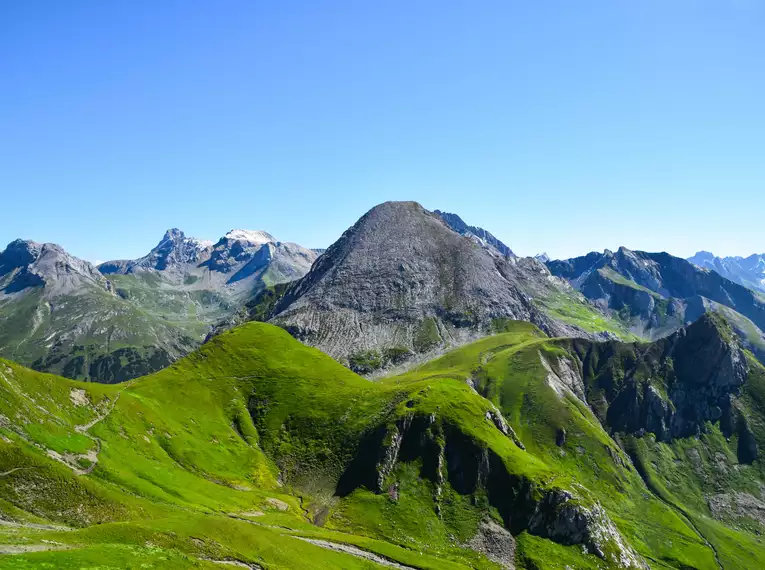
(357, 552)
(236, 563)
(92, 455)
(35, 526)
(24, 548)
(14, 470)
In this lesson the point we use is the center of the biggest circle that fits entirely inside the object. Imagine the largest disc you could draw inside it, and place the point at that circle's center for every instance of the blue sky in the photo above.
(559, 126)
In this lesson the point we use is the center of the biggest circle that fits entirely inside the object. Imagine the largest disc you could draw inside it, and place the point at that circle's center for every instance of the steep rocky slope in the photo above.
(259, 451)
(130, 318)
(658, 293)
(402, 282)
(746, 271)
(686, 409)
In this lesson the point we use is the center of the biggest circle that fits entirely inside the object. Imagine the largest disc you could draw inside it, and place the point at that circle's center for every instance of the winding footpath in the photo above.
(92, 455)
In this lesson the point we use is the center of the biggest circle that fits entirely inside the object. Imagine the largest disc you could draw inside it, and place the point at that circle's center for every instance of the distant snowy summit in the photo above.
(240, 262)
(250, 236)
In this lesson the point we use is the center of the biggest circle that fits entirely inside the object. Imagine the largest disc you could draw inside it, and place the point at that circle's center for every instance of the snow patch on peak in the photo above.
(251, 236)
(200, 243)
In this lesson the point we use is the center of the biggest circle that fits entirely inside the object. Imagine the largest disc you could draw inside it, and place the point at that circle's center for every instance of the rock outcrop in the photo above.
(448, 456)
(672, 387)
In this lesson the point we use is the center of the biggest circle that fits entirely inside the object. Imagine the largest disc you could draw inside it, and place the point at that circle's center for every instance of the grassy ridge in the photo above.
(240, 449)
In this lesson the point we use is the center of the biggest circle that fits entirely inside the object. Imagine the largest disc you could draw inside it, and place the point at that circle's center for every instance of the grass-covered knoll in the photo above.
(255, 444)
(180, 474)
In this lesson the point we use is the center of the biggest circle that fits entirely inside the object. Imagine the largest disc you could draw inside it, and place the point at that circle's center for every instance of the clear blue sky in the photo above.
(561, 126)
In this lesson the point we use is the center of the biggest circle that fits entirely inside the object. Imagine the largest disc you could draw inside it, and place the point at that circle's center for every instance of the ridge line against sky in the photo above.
(557, 126)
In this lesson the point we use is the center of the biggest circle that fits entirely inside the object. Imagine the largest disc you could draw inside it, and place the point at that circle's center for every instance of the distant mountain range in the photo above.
(600, 412)
(657, 293)
(130, 317)
(480, 234)
(400, 285)
(746, 271)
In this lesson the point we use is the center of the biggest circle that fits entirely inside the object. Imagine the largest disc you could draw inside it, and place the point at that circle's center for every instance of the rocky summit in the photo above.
(174, 250)
(402, 282)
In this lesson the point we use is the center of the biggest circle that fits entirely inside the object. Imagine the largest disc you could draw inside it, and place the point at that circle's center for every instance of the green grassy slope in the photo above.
(508, 370)
(254, 443)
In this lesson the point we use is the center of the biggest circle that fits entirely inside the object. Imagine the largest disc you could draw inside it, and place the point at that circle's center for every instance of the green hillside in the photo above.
(259, 451)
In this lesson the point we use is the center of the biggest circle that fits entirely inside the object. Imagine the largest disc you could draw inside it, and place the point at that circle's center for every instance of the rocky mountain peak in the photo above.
(27, 263)
(702, 257)
(711, 354)
(411, 282)
(481, 235)
(173, 250)
(173, 234)
(19, 253)
(238, 247)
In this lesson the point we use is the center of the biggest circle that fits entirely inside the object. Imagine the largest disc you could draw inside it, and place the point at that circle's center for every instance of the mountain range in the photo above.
(415, 396)
(656, 293)
(128, 318)
(746, 271)
(400, 286)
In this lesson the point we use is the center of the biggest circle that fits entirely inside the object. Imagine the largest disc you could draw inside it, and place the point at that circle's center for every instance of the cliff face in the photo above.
(670, 388)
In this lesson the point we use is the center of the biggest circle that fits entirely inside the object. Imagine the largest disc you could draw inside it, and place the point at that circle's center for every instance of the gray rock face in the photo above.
(26, 264)
(236, 249)
(562, 517)
(401, 279)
